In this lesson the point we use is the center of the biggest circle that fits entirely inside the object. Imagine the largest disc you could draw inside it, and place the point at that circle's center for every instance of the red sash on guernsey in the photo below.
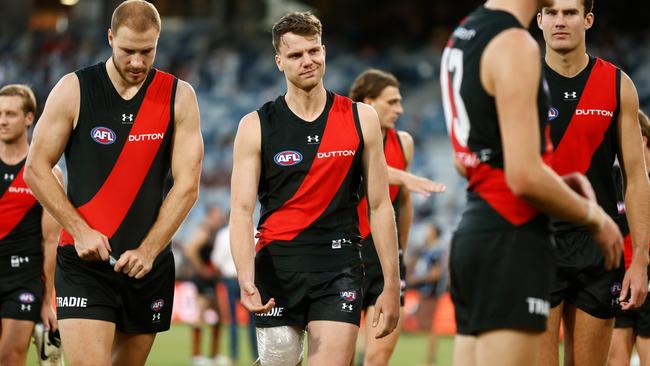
(394, 158)
(590, 121)
(107, 209)
(321, 182)
(14, 206)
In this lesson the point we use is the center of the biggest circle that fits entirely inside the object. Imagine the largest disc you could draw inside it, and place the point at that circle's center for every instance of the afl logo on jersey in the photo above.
(157, 305)
(287, 158)
(26, 298)
(103, 135)
(552, 113)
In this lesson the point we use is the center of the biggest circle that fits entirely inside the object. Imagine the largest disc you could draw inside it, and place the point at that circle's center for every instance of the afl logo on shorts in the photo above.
(552, 113)
(27, 297)
(287, 158)
(103, 135)
(349, 295)
(157, 305)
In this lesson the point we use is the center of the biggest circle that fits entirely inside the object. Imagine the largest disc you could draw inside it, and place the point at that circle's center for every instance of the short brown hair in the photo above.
(300, 23)
(23, 91)
(371, 83)
(644, 122)
(138, 15)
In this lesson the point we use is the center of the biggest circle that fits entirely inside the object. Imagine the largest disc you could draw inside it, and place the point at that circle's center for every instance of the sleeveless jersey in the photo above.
(394, 153)
(473, 126)
(310, 178)
(119, 155)
(583, 118)
(20, 215)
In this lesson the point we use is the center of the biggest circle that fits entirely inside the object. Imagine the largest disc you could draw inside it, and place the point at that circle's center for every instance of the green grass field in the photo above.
(172, 348)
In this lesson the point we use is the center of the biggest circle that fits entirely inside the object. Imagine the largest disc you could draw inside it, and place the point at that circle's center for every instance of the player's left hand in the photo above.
(134, 263)
(48, 318)
(386, 312)
(635, 282)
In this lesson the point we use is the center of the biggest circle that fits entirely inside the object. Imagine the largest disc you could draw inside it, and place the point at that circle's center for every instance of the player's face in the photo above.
(14, 122)
(133, 52)
(564, 25)
(302, 60)
(543, 3)
(388, 105)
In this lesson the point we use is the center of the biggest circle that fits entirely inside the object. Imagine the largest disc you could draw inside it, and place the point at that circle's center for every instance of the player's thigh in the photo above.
(621, 347)
(508, 347)
(87, 341)
(549, 351)
(330, 343)
(464, 350)
(14, 340)
(132, 349)
(379, 351)
(580, 328)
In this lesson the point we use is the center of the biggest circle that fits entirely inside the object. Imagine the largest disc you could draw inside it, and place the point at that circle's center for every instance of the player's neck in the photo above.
(567, 64)
(522, 10)
(14, 152)
(306, 104)
(123, 88)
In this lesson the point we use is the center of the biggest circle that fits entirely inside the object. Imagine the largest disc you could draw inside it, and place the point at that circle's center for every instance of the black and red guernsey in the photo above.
(473, 125)
(394, 153)
(20, 214)
(119, 155)
(310, 178)
(583, 118)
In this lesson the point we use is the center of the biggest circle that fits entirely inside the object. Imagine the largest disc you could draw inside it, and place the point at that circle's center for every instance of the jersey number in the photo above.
(451, 77)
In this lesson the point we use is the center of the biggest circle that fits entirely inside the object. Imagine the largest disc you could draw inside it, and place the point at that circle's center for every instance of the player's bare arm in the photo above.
(405, 204)
(637, 194)
(414, 183)
(51, 230)
(50, 138)
(246, 169)
(187, 155)
(382, 219)
(510, 70)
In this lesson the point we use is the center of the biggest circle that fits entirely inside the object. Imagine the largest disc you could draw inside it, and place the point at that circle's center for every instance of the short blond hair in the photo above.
(301, 23)
(138, 15)
(24, 92)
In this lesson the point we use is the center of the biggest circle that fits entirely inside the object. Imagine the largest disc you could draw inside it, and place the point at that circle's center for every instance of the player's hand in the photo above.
(422, 185)
(386, 311)
(635, 282)
(91, 245)
(252, 301)
(580, 184)
(608, 237)
(135, 263)
(48, 318)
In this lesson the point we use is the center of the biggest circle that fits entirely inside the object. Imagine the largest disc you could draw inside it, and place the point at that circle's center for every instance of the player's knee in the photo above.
(13, 356)
(279, 346)
(377, 357)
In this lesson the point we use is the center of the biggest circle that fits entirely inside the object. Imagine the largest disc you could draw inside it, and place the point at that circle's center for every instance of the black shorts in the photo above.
(205, 286)
(581, 276)
(638, 320)
(501, 279)
(92, 290)
(301, 297)
(21, 287)
(373, 282)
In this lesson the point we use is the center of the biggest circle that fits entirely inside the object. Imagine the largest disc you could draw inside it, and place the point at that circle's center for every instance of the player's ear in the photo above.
(278, 62)
(539, 19)
(110, 37)
(589, 20)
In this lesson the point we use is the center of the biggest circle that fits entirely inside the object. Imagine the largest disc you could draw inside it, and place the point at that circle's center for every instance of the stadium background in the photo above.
(223, 48)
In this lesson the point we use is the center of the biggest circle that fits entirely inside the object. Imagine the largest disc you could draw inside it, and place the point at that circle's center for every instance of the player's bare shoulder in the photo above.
(249, 132)
(64, 99)
(185, 102)
(368, 119)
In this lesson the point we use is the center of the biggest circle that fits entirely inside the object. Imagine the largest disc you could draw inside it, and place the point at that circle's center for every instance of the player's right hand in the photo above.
(422, 185)
(91, 245)
(386, 312)
(609, 239)
(252, 301)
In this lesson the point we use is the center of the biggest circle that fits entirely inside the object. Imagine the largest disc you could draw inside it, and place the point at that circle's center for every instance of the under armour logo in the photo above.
(571, 95)
(127, 117)
(156, 317)
(25, 307)
(16, 260)
(346, 307)
(9, 177)
(313, 139)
